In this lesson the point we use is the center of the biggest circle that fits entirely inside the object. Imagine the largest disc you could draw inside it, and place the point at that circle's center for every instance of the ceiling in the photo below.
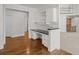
(41, 5)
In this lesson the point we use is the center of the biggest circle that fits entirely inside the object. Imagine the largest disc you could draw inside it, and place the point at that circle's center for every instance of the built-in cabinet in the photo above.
(75, 9)
(54, 40)
(48, 15)
(51, 15)
(69, 9)
(45, 40)
(66, 9)
(51, 40)
(43, 16)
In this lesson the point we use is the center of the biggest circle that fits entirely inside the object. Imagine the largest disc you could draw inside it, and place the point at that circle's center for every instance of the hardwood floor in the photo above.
(19, 46)
(24, 46)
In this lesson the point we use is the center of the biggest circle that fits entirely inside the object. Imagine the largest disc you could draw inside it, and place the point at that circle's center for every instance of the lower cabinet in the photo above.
(35, 35)
(45, 39)
(51, 41)
(54, 41)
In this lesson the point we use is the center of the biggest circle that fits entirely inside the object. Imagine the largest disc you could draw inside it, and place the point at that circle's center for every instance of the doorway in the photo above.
(16, 25)
(15, 22)
(72, 24)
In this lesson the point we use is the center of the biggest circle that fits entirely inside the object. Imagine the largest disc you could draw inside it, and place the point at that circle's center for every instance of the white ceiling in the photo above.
(41, 5)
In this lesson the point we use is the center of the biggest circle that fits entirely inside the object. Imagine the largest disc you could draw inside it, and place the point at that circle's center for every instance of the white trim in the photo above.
(17, 35)
(1, 47)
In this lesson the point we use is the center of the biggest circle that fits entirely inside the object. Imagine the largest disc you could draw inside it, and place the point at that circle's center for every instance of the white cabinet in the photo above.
(51, 41)
(43, 16)
(66, 8)
(76, 9)
(35, 35)
(45, 39)
(54, 40)
(51, 15)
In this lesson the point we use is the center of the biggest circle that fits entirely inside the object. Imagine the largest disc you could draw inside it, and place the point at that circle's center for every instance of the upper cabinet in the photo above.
(43, 16)
(72, 9)
(51, 15)
(66, 9)
(76, 9)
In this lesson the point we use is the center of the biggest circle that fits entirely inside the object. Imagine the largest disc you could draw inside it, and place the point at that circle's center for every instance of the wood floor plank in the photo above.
(24, 46)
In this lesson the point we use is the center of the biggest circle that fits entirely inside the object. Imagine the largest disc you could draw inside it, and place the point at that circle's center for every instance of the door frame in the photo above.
(4, 11)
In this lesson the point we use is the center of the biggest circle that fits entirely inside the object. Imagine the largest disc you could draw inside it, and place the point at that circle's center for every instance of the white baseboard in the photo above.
(15, 35)
(1, 47)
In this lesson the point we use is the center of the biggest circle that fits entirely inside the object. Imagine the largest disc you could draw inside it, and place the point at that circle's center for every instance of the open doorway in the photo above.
(15, 23)
(16, 30)
(72, 23)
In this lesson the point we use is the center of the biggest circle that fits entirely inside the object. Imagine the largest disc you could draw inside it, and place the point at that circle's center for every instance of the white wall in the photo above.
(62, 22)
(75, 22)
(15, 22)
(1, 27)
(70, 42)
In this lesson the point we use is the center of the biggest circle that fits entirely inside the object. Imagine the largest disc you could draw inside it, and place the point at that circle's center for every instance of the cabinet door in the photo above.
(54, 41)
(45, 40)
(51, 15)
(66, 8)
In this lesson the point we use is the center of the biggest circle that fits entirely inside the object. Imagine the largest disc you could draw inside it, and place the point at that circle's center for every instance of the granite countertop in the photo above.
(52, 28)
(44, 31)
(41, 31)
